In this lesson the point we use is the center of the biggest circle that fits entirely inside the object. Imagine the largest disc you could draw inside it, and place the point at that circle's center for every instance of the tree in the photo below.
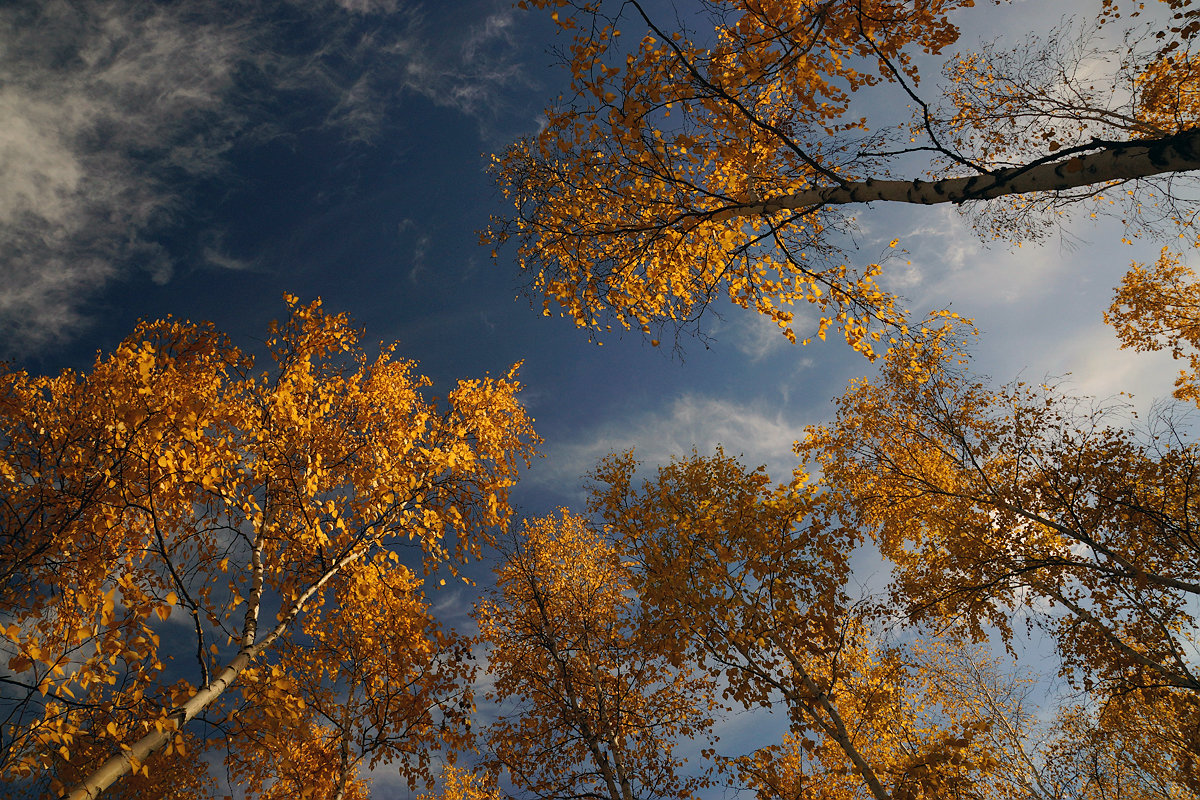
(170, 501)
(1019, 502)
(751, 579)
(600, 702)
(1130, 746)
(689, 164)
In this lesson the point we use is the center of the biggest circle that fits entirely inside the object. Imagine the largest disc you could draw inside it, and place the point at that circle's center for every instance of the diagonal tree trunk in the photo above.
(1109, 161)
(132, 755)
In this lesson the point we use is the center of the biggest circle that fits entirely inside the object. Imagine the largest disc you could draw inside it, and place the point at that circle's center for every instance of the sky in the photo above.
(202, 158)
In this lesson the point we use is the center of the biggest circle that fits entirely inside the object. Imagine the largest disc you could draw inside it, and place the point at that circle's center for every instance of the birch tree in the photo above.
(592, 703)
(998, 505)
(194, 550)
(725, 151)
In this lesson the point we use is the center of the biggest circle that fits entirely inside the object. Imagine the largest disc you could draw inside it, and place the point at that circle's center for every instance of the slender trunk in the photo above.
(1117, 161)
(833, 725)
(152, 742)
(609, 735)
(612, 781)
(344, 756)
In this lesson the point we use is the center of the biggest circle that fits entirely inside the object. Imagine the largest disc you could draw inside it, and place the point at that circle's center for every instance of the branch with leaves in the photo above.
(170, 478)
(683, 166)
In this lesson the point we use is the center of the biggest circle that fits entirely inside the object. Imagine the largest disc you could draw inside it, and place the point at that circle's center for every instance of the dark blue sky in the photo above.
(201, 158)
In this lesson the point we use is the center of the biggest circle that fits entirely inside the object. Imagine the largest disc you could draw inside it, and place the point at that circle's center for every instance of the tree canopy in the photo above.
(173, 501)
(723, 155)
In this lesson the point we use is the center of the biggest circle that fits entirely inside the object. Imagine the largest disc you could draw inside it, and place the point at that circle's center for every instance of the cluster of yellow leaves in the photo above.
(172, 776)
(1169, 92)
(1142, 745)
(748, 578)
(630, 201)
(171, 492)
(1158, 308)
(460, 784)
(687, 165)
(372, 681)
(301, 761)
(599, 701)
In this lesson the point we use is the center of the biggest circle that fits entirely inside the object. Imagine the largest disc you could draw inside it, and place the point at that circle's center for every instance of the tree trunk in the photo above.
(1116, 161)
(116, 766)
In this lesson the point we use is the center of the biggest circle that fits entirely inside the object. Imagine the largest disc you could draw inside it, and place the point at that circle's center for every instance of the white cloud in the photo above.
(113, 110)
(99, 103)
(368, 6)
(756, 436)
(941, 259)
(1100, 369)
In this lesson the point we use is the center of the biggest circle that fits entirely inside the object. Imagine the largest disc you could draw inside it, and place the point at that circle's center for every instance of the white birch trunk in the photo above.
(1143, 158)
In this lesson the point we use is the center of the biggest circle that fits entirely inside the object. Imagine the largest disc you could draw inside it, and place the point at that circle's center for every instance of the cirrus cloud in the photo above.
(117, 113)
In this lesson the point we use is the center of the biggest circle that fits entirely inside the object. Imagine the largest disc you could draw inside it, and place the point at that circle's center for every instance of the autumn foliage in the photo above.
(723, 156)
(592, 697)
(186, 537)
(1020, 503)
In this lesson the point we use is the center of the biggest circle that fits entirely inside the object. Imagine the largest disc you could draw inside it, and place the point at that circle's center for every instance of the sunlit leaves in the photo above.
(592, 700)
(750, 578)
(1019, 503)
(171, 493)
(642, 199)
(456, 783)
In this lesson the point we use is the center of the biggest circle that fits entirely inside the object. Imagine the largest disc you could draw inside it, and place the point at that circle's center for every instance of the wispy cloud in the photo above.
(467, 73)
(1091, 364)
(408, 230)
(115, 111)
(756, 336)
(102, 105)
(219, 259)
(756, 436)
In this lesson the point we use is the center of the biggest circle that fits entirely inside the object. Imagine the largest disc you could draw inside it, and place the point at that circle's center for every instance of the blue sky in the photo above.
(202, 158)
